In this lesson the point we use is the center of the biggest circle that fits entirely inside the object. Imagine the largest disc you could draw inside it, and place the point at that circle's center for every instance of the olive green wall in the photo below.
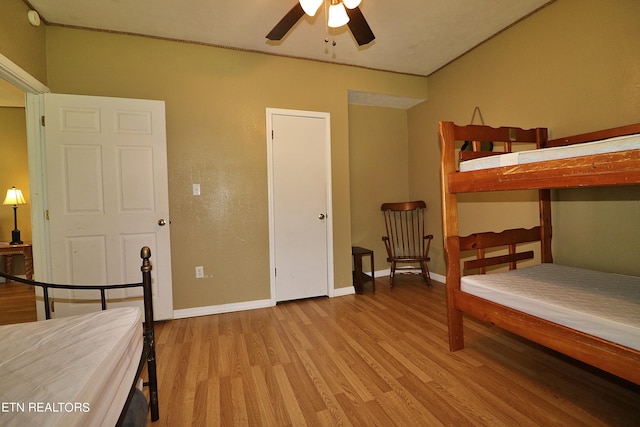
(21, 42)
(13, 152)
(379, 170)
(215, 108)
(573, 67)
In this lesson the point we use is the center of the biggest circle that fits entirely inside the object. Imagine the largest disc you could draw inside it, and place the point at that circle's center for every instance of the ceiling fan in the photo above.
(341, 12)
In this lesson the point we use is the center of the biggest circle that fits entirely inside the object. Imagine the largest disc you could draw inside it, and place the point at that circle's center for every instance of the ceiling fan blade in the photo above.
(286, 23)
(359, 27)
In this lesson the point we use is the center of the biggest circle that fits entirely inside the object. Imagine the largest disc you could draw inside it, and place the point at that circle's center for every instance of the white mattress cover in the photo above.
(73, 371)
(605, 305)
(610, 145)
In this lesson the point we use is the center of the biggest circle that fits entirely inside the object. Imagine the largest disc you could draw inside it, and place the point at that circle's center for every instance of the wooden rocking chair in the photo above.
(406, 241)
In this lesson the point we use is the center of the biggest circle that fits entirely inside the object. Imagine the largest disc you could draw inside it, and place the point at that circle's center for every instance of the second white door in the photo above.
(299, 152)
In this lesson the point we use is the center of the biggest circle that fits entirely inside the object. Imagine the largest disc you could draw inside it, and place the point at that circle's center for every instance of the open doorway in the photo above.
(17, 301)
(29, 89)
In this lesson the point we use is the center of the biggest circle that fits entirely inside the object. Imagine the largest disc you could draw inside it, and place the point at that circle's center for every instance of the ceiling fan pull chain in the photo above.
(326, 26)
(326, 23)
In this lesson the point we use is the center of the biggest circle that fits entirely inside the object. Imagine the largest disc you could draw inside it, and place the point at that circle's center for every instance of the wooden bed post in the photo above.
(450, 230)
(544, 197)
(149, 334)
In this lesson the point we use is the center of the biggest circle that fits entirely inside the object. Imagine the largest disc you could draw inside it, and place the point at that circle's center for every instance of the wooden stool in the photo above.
(358, 276)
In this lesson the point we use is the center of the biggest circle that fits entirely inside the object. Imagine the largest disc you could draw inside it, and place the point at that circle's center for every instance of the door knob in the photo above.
(162, 222)
(321, 216)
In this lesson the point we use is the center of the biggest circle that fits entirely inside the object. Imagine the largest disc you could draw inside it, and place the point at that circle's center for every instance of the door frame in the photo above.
(34, 109)
(270, 112)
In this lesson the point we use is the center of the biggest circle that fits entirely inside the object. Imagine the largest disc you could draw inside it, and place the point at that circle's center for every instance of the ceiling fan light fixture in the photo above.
(337, 15)
(351, 4)
(311, 7)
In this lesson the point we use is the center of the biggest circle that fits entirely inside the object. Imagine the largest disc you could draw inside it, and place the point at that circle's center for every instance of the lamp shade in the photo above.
(351, 4)
(14, 197)
(337, 15)
(310, 7)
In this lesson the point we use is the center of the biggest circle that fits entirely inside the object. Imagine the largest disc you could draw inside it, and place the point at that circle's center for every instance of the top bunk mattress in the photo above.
(72, 371)
(605, 305)
(610, 145)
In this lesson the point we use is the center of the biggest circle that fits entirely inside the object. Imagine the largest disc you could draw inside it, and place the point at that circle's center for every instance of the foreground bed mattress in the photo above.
(605, 305)
(610, 145)
(73, 371)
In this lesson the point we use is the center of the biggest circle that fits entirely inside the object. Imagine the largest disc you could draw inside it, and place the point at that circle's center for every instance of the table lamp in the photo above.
(15, 198)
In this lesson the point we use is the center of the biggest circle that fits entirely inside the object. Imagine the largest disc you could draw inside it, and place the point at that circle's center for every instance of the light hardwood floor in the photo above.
(374, 359)
(17, 303)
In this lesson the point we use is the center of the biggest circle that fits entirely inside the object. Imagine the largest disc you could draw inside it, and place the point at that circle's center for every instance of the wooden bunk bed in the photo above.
(84, 369)
(517, 171)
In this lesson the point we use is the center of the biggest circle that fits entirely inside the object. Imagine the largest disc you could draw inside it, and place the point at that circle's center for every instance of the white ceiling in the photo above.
(412, 36)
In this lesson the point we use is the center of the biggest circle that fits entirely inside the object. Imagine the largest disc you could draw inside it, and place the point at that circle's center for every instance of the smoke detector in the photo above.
(34, 18)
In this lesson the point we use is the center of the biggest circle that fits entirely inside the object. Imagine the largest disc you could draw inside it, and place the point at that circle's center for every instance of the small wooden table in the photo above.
(358, 276)
(8, 251)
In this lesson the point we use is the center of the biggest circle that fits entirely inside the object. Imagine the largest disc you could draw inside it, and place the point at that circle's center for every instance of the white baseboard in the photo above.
(219, 309)
(439, 278)
(347, 290)
(252, 305)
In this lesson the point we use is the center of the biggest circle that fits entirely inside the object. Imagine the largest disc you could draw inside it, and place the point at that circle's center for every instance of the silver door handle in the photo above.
(321, 216)
(162, 222)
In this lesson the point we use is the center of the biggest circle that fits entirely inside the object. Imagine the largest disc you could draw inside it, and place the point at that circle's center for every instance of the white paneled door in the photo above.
(299, 150)
(107, 196)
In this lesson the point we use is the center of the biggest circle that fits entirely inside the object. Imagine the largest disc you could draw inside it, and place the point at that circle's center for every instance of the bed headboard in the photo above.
(476, 134)
(452, 136)
(511, 239)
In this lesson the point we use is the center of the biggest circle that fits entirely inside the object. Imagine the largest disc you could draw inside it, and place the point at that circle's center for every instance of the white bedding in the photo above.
(611, 145)
(73, 371)
(601, 304)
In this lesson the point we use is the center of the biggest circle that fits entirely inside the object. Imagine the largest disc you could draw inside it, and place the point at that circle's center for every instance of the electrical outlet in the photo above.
(199, 272)
(196, 189)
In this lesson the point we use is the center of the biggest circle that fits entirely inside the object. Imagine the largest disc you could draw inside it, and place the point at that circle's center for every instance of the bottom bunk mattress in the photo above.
(604, 305)
(73, 371)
